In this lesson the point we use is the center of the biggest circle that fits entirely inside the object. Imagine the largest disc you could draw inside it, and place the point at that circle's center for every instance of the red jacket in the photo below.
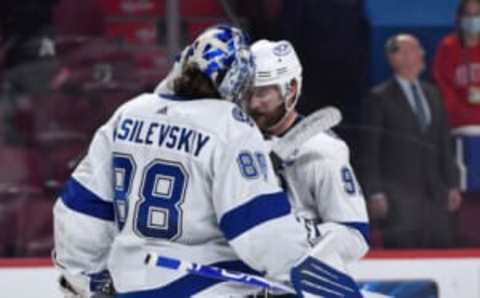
(450, 72)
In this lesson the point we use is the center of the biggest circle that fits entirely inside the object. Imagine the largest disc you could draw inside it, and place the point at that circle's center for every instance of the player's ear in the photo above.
(292, 92)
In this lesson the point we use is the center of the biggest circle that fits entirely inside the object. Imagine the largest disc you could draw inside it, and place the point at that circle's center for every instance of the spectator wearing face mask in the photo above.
(456, 66)
(456, 69)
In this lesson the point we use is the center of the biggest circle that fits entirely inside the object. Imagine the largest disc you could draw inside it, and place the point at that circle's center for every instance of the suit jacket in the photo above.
(400, 159)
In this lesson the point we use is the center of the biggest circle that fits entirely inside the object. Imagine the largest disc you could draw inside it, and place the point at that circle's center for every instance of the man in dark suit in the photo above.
(410, 175)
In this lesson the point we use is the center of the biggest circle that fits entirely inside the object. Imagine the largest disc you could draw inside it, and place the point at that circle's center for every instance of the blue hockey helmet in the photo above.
(222, 53)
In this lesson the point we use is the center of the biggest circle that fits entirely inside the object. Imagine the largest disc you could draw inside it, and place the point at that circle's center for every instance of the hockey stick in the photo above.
(321, 120)
(154, 260)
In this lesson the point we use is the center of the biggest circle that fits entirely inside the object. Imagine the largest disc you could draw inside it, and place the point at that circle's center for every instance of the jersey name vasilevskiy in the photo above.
(174, 137)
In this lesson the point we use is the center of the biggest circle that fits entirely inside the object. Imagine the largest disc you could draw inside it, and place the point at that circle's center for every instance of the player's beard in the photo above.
(265, 121)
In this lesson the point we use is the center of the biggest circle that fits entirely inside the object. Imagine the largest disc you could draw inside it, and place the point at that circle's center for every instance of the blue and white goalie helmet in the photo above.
(222, 53)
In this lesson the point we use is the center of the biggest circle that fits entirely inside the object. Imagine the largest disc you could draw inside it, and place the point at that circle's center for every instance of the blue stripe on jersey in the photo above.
(76, 197)
(255, 212)
(362, 227)
(175, 97)
(190, 284)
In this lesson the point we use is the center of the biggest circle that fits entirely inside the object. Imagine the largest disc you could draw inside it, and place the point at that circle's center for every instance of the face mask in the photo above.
(470, 24)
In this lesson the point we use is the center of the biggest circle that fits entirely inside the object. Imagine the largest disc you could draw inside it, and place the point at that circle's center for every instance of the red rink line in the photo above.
(372, 255)
(25, 262)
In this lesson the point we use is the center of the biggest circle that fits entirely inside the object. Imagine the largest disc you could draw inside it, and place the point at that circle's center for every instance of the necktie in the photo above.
(419, 107)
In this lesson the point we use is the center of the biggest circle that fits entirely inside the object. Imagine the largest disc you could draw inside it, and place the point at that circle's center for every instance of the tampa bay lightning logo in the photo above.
(282, 49)
(241, 116)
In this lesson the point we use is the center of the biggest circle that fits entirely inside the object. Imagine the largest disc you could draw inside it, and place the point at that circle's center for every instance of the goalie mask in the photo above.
(222, 53)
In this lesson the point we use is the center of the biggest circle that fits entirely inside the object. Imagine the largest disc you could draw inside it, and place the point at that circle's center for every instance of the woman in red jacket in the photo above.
(456, 66)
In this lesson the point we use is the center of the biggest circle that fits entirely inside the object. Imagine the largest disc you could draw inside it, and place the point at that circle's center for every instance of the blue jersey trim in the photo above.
(190, 284)
(176, 97)
(253, 213)
(76, 197)
(362, 227)
(171, 97)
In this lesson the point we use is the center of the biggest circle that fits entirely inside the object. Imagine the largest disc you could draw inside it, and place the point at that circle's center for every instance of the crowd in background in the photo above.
(66, 65)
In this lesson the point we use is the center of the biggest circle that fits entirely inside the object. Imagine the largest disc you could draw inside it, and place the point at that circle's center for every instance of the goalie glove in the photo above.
(314, 278)
(322, 273)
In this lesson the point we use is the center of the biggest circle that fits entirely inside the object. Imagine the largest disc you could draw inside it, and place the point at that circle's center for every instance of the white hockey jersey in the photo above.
(188, 179)
(323, 189)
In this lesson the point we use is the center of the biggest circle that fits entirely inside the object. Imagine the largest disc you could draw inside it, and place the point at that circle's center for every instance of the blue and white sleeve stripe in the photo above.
(78, 198)
(256, 211)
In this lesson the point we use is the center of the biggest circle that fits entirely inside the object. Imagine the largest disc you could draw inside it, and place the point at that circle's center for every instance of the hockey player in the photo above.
(183, 175)
(319, 179)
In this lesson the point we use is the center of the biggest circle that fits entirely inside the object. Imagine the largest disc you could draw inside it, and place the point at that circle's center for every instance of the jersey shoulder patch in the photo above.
(239, 115)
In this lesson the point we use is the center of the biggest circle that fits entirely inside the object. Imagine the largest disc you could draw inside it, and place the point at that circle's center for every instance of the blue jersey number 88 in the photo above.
(158, 213)
(252, 165)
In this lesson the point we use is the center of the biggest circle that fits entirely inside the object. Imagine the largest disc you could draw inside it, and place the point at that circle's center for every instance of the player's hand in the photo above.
(378, 206)
(454, 200)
